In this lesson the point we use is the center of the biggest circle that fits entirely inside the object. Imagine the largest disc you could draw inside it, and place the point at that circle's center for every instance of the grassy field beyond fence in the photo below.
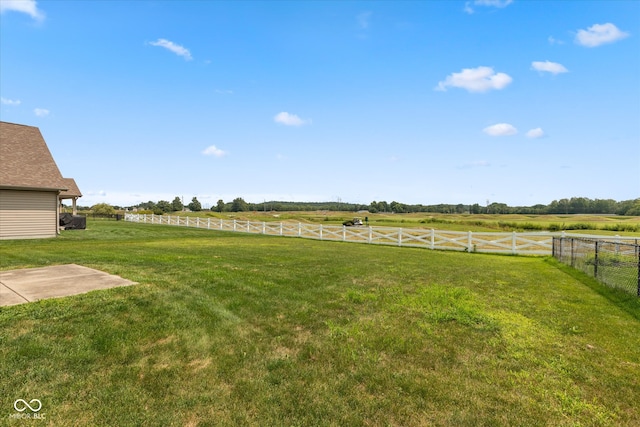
(241, 329)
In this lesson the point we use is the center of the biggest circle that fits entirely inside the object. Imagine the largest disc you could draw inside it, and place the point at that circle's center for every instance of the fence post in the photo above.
(469, 241)
(187, 223)
(573, 264)
(234, 225)
(299, 229)
(433, 238)
(208, 223)
(281, 231)
(320, 231)
(595, 263)
(514, 240)
(344, 233)
(264, 227)
(400, 237)
(638, 252)
(370, 236)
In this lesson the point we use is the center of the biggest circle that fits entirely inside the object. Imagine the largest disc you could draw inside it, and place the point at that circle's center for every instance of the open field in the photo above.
(603, 224)
(243, 329)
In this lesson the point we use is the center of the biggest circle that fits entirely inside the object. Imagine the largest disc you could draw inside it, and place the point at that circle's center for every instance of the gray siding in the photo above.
(28, 214)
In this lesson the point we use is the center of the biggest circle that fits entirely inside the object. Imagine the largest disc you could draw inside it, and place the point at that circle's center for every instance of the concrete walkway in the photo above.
(33, 284)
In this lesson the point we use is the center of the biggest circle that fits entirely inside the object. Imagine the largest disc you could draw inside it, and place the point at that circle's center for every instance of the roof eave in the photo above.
(23, 188)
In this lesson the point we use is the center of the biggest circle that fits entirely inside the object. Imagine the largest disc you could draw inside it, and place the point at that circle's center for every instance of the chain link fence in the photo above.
(613, 263)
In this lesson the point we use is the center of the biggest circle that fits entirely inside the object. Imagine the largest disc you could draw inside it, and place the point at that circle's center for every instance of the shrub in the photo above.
(579, 226)
(103, 209)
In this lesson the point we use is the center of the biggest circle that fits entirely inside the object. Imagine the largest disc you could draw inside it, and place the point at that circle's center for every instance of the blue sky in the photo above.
(517, 102)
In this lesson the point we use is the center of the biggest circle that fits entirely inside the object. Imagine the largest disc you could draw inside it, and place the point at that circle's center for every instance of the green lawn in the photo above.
(241, 329)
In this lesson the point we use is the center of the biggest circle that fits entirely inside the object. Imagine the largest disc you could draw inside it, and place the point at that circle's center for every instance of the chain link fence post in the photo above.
(638, 257)
(595, 261)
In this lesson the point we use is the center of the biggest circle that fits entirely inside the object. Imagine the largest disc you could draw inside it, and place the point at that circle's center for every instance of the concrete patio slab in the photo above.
(33, 284)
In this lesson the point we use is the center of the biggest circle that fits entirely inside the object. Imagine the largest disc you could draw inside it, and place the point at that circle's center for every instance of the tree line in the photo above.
(574, 205)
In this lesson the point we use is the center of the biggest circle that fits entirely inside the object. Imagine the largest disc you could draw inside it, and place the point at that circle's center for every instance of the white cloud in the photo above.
(364, 20)
(553, 40)
(214, 151)
(29, 7)
(175, 48)
(493, 3)
(6, 101)
(468, 9)
(479, 79)
(289, 119)
(599, 34)
(500, 129)
(41, 112)
(490, 3)
(549, 67)
(536, 133)
(475, 164)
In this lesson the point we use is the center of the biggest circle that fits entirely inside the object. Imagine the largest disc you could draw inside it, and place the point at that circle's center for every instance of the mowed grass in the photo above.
(240, 329)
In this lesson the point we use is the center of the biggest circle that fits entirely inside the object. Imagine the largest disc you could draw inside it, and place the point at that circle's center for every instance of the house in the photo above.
(31, 185)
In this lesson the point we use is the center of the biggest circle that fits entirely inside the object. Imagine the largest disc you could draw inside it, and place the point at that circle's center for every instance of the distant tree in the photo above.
(220, 205)
(147, 205)
(103, 209)
(498, 208)
(397, 207)
(579, 205)
(633, 208)
(604, 206)
(239, 205)
(164, 206)
(177, 205)
(195, 205)
(563, 205)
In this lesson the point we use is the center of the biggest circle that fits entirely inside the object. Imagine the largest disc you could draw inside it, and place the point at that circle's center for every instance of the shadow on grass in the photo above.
(625, 300)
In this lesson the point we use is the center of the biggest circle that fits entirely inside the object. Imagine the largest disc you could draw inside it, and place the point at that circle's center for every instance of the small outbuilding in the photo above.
(31, 185)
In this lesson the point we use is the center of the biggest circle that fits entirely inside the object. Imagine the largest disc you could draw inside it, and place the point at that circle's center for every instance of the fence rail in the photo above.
(614, 263)
(538, 243)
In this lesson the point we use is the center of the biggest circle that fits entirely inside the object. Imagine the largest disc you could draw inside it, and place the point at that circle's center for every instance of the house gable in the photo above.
(25, 160)
(31, 184)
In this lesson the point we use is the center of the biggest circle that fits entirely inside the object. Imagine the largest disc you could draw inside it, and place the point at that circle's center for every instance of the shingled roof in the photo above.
(26, 162)
(72, 189)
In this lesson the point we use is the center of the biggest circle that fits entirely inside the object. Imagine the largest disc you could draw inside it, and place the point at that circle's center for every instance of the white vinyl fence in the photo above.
(539, 243)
